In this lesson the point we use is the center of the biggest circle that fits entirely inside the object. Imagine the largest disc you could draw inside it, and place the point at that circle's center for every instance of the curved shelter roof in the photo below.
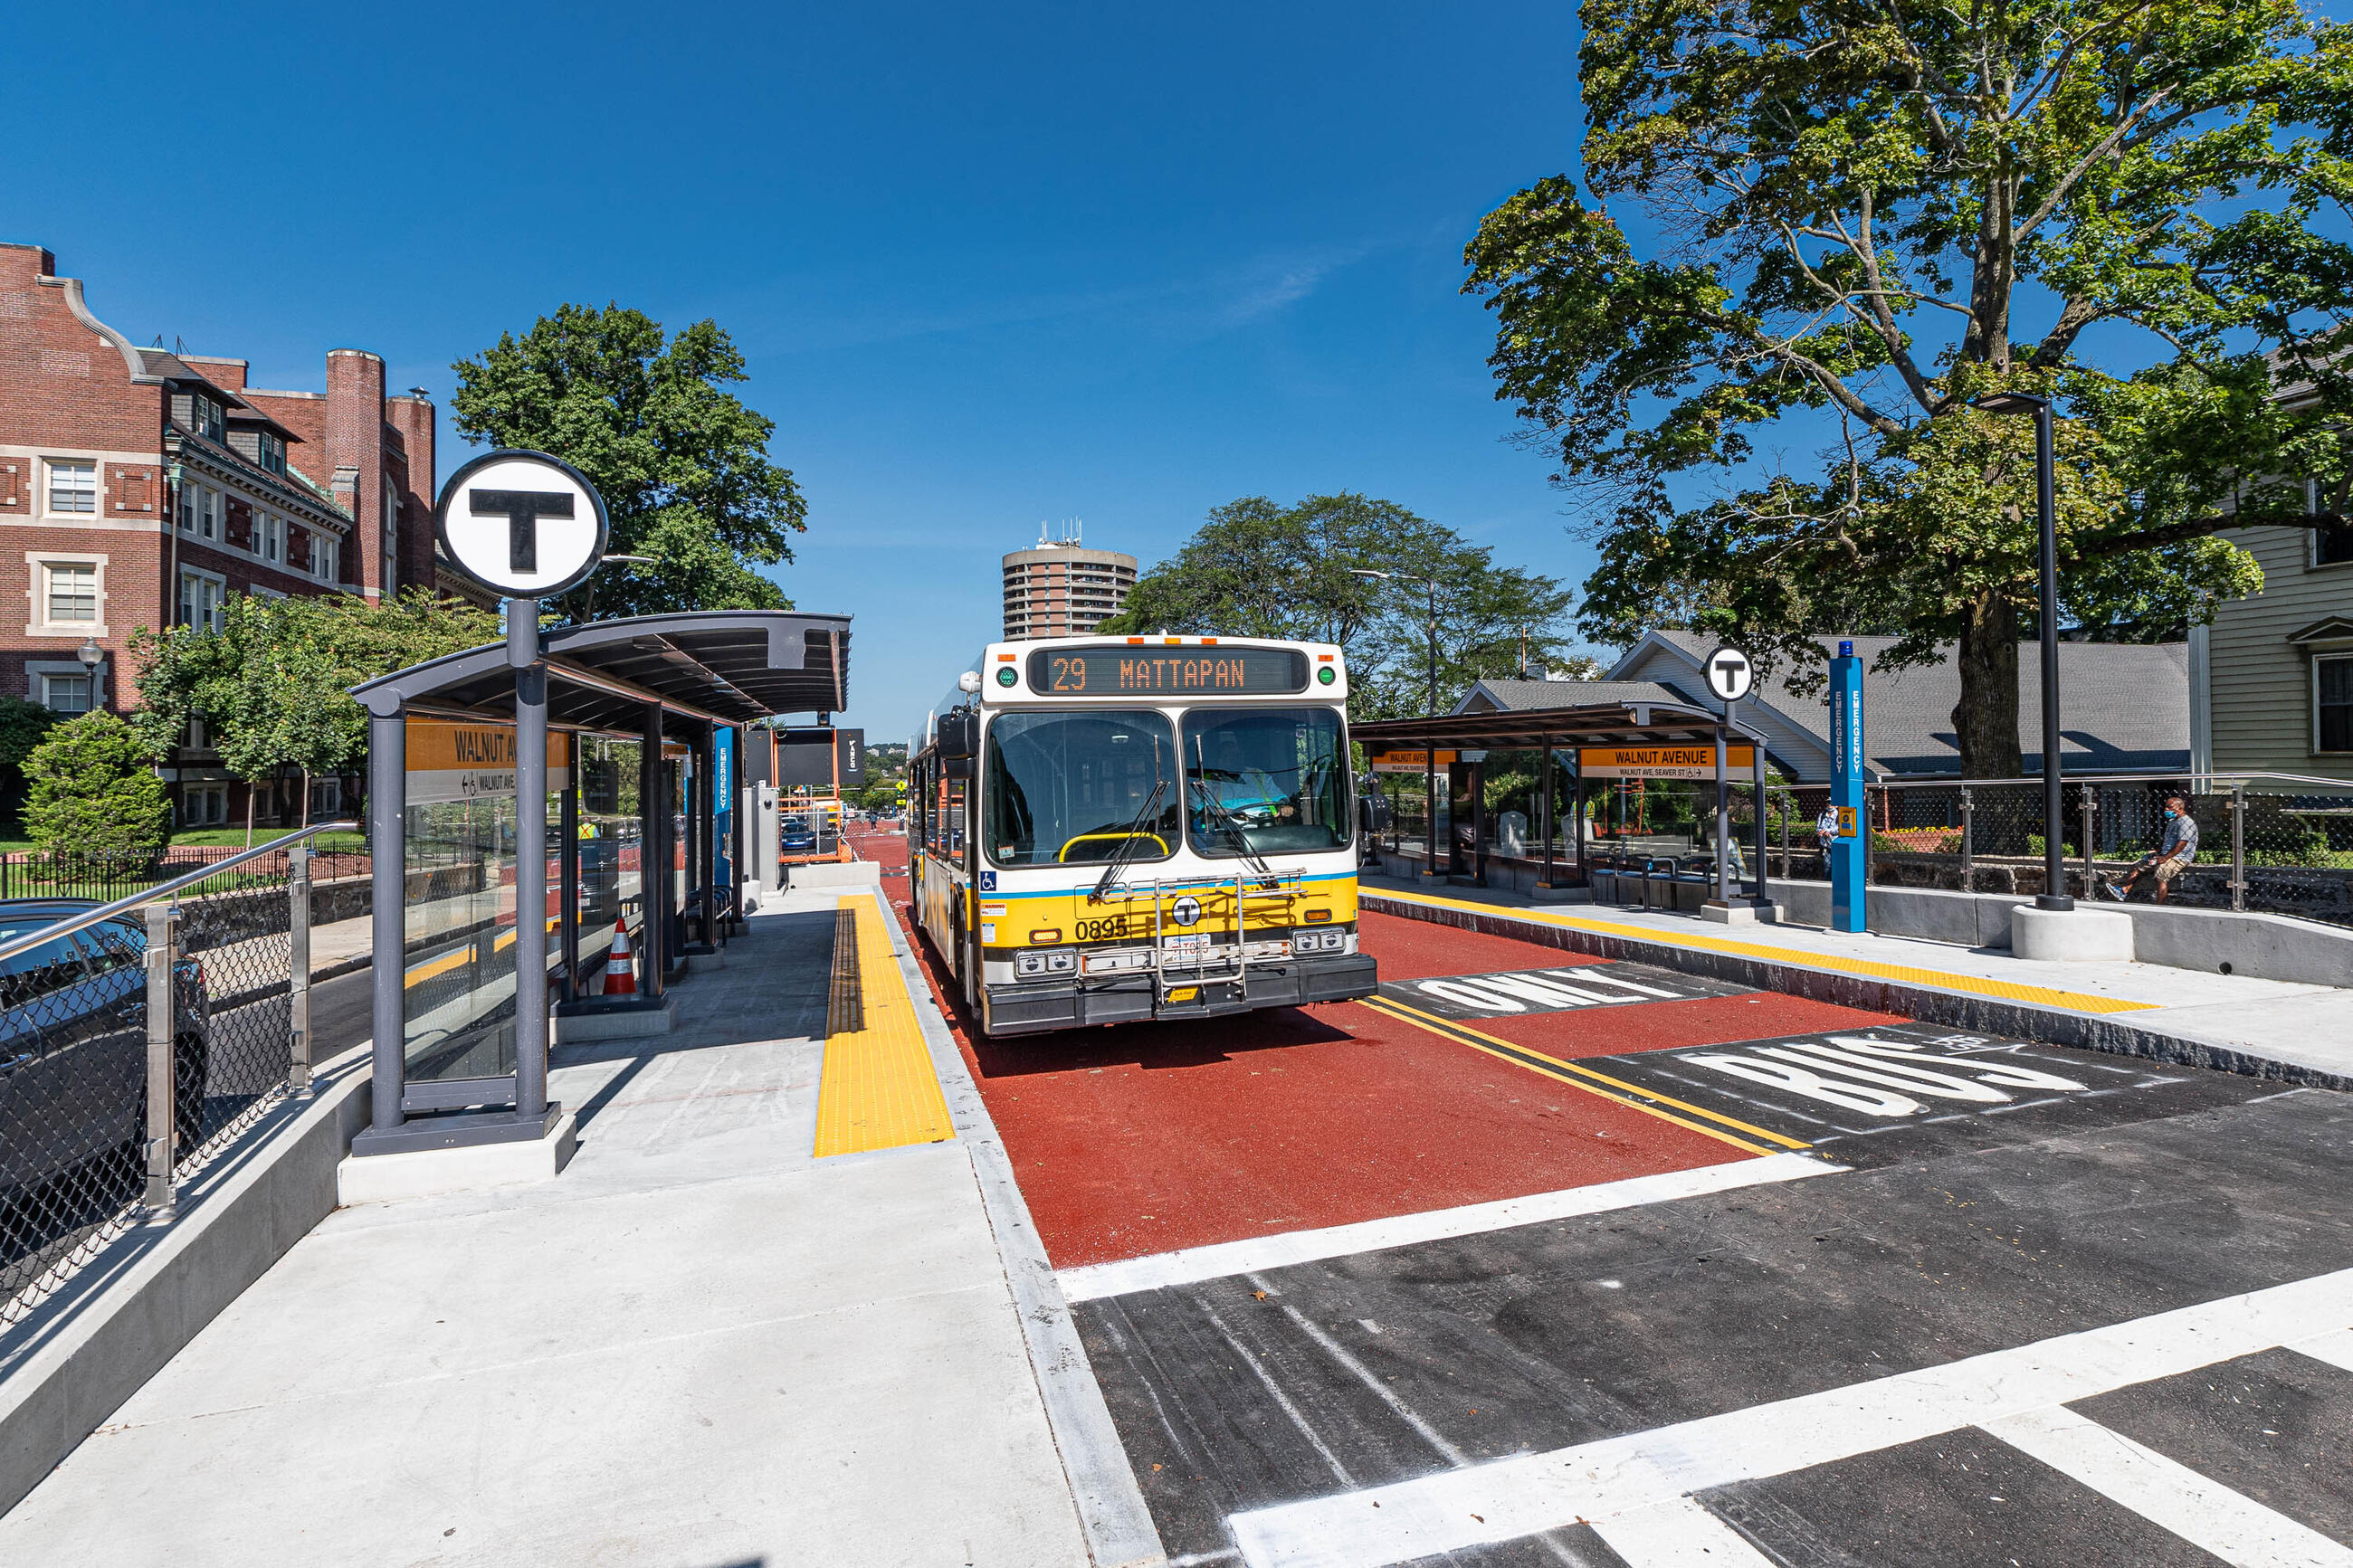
(727, 666)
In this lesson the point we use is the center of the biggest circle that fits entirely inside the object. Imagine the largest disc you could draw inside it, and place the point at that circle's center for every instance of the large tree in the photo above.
(682, 463)
(1258, 568)
(1869, 214)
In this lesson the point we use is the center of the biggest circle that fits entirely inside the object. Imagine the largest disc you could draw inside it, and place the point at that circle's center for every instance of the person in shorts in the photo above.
(2175, 852)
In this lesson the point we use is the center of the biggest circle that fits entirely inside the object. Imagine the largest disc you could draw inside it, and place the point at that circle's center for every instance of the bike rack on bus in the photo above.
(1245, 886)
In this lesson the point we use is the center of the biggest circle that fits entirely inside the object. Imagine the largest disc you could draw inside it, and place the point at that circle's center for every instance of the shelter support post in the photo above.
(1577, 824)
(1544, 812)
(568, 877)
(1764, 845)
(388, 891)
(653, 854)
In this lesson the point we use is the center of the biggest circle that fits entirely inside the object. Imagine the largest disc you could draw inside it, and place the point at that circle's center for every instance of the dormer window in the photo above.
(272, 454)
(207, 418)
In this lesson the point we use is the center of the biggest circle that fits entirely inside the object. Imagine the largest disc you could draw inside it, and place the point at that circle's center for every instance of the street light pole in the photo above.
(2054, 876)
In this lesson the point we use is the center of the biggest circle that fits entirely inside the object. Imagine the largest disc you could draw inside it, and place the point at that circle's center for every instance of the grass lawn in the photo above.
(230, 837)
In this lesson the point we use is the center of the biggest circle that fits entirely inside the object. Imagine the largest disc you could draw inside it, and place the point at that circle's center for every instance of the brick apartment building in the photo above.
(141, 488)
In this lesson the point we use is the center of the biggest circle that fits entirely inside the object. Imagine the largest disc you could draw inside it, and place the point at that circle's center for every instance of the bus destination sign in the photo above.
(1194, 670)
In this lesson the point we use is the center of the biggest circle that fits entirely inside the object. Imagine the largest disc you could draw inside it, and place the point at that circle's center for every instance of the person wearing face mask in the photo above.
(2176, 850)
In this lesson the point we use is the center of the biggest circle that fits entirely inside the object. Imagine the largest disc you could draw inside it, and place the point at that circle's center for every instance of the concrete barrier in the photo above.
(2216, 942)
(70, 1365)
(835, 874)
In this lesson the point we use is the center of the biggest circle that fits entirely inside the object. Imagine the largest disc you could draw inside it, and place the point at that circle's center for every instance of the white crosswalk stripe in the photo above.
(1510, 1499)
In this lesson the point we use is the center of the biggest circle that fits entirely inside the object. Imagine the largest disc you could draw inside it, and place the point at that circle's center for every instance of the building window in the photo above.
(208, 418)
(326, 556)
(201, 595)
(73, 487)
(208, 513)
(203, 806)
(2332, 701)
(66, 693)
(73, 593)
(273, 453)
(269, 536)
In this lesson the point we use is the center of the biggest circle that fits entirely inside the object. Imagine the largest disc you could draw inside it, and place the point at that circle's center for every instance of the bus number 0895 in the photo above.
(1096, 931)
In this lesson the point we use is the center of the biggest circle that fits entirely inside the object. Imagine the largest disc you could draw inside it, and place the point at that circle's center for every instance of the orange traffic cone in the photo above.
(620, 964)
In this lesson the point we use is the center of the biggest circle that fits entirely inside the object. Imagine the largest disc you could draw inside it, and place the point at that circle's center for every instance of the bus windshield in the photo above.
(1265, 780)
(1068, 788)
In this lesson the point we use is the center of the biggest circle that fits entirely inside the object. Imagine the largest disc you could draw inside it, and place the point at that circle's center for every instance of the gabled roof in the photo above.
(2329, 628)
(2124, 707)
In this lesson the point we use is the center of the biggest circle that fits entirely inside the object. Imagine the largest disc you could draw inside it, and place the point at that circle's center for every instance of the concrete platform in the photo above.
(699, 1345)
(2270, 1028)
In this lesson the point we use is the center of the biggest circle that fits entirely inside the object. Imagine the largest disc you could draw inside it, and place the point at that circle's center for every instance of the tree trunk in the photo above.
(1986, 718)
(252, 788)
(306, 797)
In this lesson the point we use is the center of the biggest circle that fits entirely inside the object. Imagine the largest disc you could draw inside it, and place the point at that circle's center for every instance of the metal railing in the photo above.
(2272, 843)
(61, 873)
(138, 1039)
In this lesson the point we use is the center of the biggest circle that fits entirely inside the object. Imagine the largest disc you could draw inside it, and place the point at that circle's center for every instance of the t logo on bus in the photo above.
(1186, 911)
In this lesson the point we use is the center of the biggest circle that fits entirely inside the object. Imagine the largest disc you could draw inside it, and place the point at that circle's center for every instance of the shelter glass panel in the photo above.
(458, 974)
(612, 831)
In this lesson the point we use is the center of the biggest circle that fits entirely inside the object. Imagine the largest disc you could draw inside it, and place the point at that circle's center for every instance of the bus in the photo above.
(1105, 829)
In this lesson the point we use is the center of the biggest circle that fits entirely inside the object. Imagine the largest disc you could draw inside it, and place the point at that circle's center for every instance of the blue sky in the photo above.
(991, 266)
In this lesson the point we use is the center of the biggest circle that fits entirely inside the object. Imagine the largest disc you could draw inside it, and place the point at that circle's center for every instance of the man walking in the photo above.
(2177, 849)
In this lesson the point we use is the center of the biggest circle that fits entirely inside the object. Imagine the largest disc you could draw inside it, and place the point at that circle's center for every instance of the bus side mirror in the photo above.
(959, 739)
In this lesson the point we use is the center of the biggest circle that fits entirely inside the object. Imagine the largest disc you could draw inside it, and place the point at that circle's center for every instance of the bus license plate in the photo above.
(1195, 942)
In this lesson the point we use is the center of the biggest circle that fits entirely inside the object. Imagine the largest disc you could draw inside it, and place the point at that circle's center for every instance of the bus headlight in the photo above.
(1320, 942)
(1039, 964)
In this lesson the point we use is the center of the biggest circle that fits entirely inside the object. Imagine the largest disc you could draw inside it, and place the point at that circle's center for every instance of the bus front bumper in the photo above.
(1037, 1008)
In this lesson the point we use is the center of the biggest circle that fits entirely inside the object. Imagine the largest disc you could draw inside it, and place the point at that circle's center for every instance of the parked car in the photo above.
(73, 1071)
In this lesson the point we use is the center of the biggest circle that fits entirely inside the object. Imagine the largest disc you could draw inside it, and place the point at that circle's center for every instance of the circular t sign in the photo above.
(1729, 674)
(522, 524)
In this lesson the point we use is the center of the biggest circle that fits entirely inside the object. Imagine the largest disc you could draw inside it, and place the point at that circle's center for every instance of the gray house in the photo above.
(2125, 708)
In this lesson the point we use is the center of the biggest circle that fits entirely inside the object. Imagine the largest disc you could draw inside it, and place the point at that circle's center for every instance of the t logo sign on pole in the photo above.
(522, 524)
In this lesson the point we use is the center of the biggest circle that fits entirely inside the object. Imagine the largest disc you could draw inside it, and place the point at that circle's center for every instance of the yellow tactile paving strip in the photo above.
(1942, 980)
(879, 1090)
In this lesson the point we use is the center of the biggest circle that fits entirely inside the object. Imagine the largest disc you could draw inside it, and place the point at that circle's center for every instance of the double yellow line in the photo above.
(1632, 1096)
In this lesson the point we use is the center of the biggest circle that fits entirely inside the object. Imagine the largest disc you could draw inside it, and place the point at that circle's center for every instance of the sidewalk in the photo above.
(2268, 1027)
(702, 1346)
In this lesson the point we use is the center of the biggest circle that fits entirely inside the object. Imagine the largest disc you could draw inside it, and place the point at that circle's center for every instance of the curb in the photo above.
(1113, 1515)
(1986, 1015)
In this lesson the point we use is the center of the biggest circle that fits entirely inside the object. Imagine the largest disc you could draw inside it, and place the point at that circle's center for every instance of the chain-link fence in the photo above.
(2273, 843)
(138, 1039)
(2267, 842)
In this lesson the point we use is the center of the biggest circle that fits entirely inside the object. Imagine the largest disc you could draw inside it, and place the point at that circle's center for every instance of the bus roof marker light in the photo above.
(1006, 676)
(1324, 674)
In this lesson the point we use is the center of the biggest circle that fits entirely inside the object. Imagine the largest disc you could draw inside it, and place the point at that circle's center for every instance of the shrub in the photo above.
(93, 792)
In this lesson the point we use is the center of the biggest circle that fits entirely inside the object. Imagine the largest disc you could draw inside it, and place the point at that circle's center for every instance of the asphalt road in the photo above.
(1534, 1258)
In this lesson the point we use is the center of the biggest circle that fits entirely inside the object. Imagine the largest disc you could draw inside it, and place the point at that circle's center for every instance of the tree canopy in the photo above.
(682, 463)
(1870, 216)
(1258, 568)
(271, 685)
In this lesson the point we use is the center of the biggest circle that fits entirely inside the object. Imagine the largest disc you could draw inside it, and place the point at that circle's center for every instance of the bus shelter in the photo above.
(655, 725)
(1621, 730)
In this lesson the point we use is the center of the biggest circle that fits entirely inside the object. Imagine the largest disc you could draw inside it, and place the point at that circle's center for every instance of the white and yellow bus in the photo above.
(1102, 829)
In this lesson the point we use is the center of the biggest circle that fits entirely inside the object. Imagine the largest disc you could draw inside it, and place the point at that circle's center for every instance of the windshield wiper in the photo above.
(1235, 829)
(1128, 841)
